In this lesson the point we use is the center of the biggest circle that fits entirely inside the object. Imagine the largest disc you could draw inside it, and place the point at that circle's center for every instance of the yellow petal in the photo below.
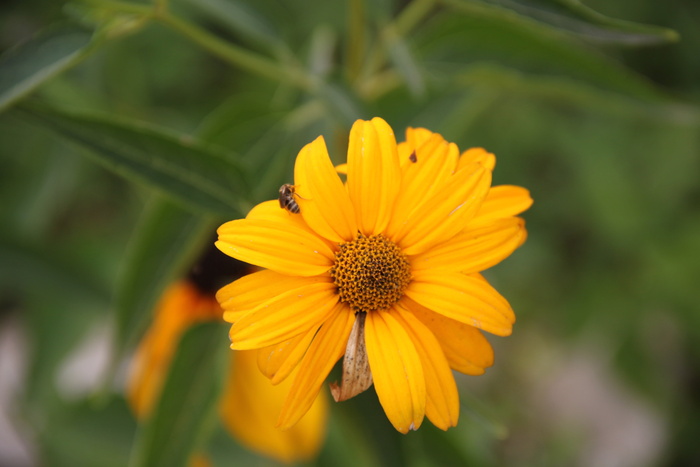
(408, 150)
(466, 298)
(323, 353)
(465, 347)
(473, 250)
(503, 201)
(442, 403)
(405, 152)
(373, 174)
(322, 197)
(278, 360)
(415, 137)
(435, 162)
(283, 317)
(271, 210)
(250, 291)
(445, 213)
(249, 410)
(396, 369)
(276, 245)
(479, 155)
(342, 168)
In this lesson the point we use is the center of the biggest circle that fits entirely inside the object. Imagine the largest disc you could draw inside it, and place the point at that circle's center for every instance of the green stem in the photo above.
(356, 39)
(401, 26)
(161, 6)
(412, 15)
(122, 7)
(235, 55)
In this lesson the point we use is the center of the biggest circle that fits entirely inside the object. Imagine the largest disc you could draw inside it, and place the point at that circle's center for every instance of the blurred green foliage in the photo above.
(191, 111)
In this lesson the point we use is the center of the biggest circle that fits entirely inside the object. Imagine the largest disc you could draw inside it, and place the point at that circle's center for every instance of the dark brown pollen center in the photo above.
(371, 273)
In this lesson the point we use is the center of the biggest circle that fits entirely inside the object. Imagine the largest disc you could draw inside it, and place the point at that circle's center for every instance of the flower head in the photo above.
(382, 270)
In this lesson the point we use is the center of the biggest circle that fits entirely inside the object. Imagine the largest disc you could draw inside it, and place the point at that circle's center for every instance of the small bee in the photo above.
(286, 199)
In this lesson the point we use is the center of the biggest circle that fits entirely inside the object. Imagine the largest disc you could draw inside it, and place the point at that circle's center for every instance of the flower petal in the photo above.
(442, 403)
(248, 292)
(325, 350)
(445, 213)
(473, 250)
(466, 298)
(283, 317)
(271, 210)
(465, 347)
(249, 408)
(278, 360)
(280, 246)
(503, 201)
(322, 197)
(373, 174)
(396, 369)
(435, 161)
(479, 155)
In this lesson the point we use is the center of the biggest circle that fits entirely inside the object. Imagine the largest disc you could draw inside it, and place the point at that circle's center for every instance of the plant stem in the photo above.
(235, 55)
(355, 47)
(122, 7)
(401, 26)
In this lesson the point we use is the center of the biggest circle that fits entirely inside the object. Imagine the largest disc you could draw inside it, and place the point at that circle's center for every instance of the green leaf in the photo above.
(483, 34)
(31, 64)
(166, 242)
(619, 30)
(572, 16)
(25, 266)
(198, 176)
(186, 410)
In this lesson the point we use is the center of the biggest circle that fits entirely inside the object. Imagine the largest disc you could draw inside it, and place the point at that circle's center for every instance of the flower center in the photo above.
(371, 273)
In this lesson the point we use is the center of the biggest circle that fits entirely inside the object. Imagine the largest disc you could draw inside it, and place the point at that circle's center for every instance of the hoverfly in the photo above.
(286, 199)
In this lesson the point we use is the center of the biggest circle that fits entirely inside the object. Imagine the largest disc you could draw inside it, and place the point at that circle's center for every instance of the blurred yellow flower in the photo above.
(249, 403)
(383, 270)
(180, 307)
(250, 408)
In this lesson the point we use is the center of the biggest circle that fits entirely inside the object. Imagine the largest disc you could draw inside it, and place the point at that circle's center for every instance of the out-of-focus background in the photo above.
(129, 130)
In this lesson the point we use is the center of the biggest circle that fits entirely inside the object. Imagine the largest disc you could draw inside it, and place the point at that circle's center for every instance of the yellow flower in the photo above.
(249, 403)
(383, 270)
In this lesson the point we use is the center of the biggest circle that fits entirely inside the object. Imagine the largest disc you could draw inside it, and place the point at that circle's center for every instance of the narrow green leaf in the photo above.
(185, 413)
(572, 16)
(627, 31)
(165, 243)
(198, 176)
(481, 33)
(31, 64)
